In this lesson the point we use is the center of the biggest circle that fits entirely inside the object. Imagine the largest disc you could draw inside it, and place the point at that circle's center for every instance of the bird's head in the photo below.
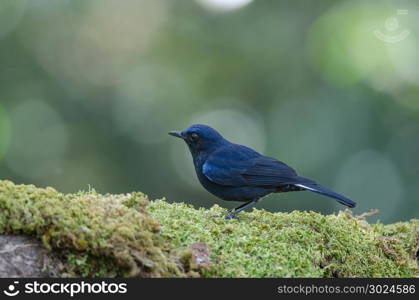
(200, 138)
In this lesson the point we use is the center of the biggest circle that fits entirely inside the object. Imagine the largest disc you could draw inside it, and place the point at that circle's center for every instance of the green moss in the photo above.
(405, 232)
(296, 244)
(127, 235)
(95, 235)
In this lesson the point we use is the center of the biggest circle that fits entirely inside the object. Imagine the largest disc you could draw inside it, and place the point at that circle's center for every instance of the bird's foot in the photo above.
(231, 216)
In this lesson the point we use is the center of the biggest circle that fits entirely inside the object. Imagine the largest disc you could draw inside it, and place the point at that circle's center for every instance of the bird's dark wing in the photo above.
(235, 166)
(267, 171)
(226, 165)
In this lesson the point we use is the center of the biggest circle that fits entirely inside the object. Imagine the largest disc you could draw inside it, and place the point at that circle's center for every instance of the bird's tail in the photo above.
(313, 186)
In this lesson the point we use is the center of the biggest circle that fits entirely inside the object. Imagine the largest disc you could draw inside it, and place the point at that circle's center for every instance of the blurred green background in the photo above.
(89, 90)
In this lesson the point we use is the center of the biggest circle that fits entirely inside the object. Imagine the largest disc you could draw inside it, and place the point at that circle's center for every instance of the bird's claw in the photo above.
(231, 216)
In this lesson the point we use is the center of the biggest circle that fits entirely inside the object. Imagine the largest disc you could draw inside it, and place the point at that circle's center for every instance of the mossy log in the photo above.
(93, 235)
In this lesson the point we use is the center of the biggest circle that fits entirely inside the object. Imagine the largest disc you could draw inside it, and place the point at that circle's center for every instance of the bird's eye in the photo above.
(194, 137)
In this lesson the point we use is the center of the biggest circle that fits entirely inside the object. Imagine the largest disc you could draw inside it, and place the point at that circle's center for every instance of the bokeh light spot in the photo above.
(343, 45)
(39, 140)
(236, 125)
(99, 46)
(137, 111)
(373, 181)
(223, 5)
(292, 135)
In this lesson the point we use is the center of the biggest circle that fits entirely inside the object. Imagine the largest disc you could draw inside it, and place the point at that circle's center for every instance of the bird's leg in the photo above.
(241, 207)
(236, 208)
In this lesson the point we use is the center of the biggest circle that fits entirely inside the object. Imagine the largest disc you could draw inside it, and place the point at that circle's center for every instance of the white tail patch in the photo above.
(305, 187)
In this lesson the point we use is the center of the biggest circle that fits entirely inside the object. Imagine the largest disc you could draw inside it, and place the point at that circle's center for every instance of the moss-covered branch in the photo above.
(128, 235)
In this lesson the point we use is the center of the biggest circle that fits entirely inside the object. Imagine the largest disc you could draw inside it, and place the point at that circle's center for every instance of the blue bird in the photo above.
(237, 173)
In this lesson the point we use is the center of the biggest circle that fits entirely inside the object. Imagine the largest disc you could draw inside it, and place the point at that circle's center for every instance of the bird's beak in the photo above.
(177, 134)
